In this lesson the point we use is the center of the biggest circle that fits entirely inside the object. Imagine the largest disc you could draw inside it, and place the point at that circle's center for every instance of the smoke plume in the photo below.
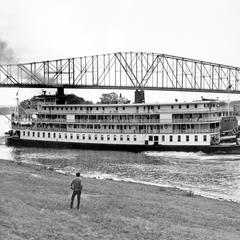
(6, 53)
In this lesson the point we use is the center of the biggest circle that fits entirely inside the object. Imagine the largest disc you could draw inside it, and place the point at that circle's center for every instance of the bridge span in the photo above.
(124, 70)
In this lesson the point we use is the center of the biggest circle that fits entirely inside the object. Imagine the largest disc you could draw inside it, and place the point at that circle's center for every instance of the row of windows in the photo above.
(79, 108)
(83, 137)
(180, 106)
(179, 138)
(52, 100)
(124, 127)
(108, 137)
(118, 108)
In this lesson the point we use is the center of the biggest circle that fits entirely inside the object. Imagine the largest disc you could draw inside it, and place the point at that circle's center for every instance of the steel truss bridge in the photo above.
(124, 70)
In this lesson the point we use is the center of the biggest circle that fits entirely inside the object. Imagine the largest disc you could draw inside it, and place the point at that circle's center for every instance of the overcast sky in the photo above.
(37, 30)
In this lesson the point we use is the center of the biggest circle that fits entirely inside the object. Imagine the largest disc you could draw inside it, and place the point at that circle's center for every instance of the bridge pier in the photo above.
(60, 95)
(139, 96)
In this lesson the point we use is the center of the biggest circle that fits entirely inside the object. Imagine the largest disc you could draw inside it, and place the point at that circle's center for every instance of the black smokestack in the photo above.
(6, 53)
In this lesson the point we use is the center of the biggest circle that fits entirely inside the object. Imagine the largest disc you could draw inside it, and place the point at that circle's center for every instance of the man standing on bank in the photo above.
(76, 186)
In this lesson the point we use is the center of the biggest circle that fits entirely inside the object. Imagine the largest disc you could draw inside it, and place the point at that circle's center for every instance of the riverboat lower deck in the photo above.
(225, 148)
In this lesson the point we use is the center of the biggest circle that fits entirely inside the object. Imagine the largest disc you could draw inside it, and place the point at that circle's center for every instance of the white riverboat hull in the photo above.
(212, 149)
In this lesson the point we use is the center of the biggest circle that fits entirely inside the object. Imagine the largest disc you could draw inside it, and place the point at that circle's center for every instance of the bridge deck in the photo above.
(124, 70)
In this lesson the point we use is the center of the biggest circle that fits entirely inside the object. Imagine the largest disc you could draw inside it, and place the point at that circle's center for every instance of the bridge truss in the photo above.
(124, 70)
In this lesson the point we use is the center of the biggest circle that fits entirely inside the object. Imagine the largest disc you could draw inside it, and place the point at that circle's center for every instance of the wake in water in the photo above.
(194, 156)
(215, 176)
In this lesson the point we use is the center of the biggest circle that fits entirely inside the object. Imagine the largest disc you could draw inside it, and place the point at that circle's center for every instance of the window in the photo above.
(114, 137)
(195, 105)
(43, 134)
(163, 138)
(28, 133)
(170, 138)
(172, 107)
(101, 137)
(150, 138)
(38, 134)
(59, 135)
(187, 138)
(108, 137)
(196, 138)
(33, 134)
(158, 107)
(134, 138)
(71, 136)
(187, 106)
(49, 135)
(95, 136)
(179, 138)
(121, 137)
(89, 137)
(83, 136)
(54, 135)
(77, 136)
(128, 138)
(65, 136)
(179, 106)
(204, 138)
(123, 108)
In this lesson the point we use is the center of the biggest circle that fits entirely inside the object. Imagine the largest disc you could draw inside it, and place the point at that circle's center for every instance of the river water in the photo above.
(214, 176)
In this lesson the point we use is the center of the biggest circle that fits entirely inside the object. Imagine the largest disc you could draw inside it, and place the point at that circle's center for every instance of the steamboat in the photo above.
(206, 125)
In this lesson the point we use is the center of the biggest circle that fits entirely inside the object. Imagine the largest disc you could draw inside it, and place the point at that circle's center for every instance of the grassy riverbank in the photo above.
(35, 205)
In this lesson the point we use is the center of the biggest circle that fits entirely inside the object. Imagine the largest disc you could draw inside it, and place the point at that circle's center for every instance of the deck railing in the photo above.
(140, 111)
(123, 131)
(130, 121)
